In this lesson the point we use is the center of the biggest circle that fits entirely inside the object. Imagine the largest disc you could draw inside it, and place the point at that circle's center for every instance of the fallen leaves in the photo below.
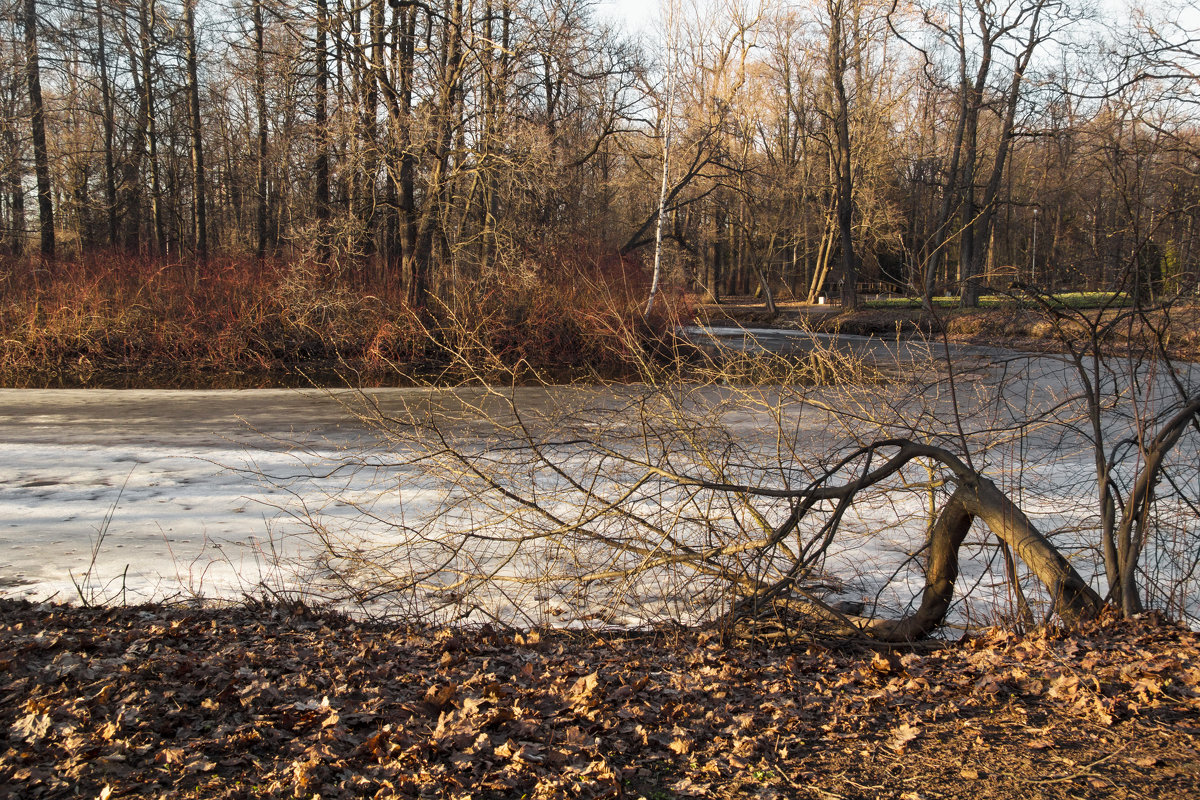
(191, 703)
(439, 696)
(902, 735)
(31, 727)
(681, 743)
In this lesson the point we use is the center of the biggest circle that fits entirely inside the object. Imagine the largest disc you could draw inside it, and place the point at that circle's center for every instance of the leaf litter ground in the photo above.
(271, 702)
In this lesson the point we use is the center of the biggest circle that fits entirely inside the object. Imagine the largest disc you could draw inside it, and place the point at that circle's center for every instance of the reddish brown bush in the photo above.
(108, 318)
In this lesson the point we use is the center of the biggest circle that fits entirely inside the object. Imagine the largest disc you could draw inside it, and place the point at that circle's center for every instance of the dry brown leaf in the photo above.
(681, 745)
(170, 755)
(1064, 686)
(902, 736)
(885, 664)
(575, 736)
(584, 688)
(439, 696)
(31, 727)
(109, 731)
(688, 788)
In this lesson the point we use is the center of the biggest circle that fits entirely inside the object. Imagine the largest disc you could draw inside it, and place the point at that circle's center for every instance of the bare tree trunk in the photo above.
(1131, 533)
(837, 63)
(16, 192)
(37, 115)
(974, 496)
(260, 102)
(149, 48)
(430, 232)
(821, 268)
(110, 180)
(1073, 599)
(199, 188)
(941, 571)
(668, 127)
(935, 246)
(968, 261)
(321, 124)
(370, 205)
(414, 273)
(716, 271)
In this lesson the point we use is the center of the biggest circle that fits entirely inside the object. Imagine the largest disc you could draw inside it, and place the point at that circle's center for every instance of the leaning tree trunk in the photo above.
(1073, 599)
(975, 496)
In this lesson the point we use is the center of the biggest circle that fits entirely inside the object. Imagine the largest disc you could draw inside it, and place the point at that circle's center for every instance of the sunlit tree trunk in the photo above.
(321, 125)
(149, 48)
(260, 103)
(37, 117)
(109, 123)
(199, 188)
(668, 125)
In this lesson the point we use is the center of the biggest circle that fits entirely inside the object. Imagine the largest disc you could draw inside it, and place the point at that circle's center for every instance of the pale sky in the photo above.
(635, 14)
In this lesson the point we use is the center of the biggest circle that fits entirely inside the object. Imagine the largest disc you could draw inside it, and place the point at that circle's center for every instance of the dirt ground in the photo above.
(263, 701)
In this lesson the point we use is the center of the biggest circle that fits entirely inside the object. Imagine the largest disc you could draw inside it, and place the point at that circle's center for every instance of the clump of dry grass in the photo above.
(115, 315)
(236, 321)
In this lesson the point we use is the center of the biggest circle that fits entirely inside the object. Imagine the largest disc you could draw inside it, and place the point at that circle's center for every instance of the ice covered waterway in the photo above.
(171, 479)
(166, 476)
(132, 495)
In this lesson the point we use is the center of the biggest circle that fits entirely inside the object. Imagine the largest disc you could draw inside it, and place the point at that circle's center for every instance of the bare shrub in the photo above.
(711, 491)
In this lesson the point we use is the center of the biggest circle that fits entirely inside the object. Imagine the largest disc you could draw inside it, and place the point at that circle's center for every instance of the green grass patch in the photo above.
(1062, 299)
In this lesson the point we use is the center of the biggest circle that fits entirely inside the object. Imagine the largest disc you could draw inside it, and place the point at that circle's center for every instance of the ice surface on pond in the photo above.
(164, 488)
(137, 495)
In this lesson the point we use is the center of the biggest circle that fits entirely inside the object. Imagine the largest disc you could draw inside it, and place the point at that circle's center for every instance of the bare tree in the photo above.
(668, 126)
(108, 112)
(37, 117)
(199, 185)
(147, 19)
(840, 15)
(263, 138)
(707, 499)
(989, 49)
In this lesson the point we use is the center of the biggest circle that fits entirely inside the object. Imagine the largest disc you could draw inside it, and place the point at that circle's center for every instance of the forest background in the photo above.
(226, 182)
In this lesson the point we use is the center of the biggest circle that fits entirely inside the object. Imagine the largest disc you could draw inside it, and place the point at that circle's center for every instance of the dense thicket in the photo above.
(448, 144)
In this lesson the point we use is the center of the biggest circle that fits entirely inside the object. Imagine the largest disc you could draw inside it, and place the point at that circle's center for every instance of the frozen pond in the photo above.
(166, 476)
(130, 495)
(146, 494)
